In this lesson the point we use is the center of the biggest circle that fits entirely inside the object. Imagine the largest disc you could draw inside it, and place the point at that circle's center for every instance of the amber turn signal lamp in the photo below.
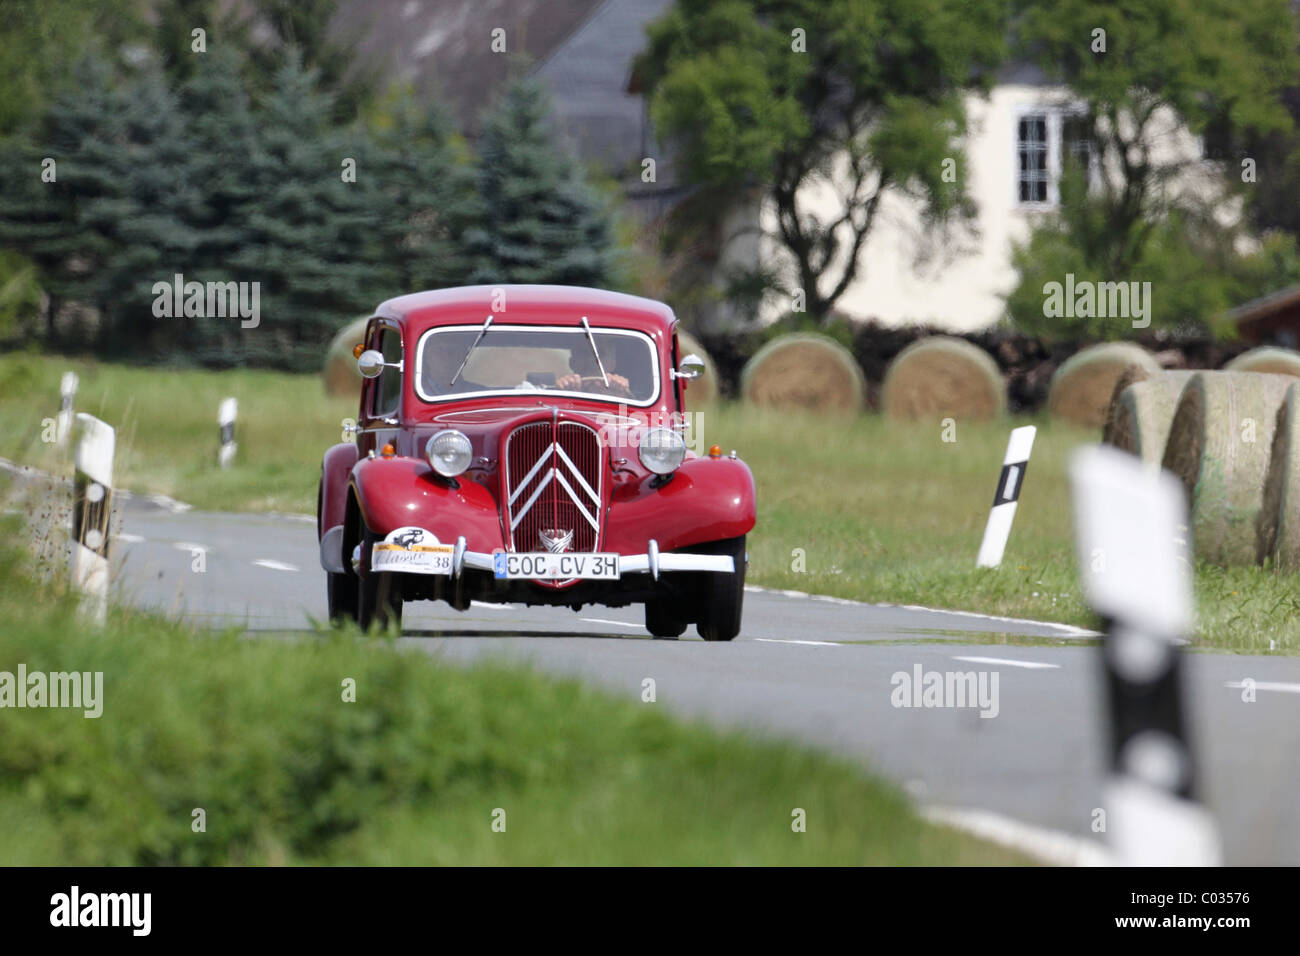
(388, 451)
(715, 451)
(358, 349)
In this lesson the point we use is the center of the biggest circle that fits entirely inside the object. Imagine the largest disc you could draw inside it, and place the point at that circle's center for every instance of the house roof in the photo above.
(1266, 306)
(443, 48)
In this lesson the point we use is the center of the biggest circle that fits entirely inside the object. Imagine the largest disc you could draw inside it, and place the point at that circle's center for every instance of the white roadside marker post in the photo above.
(92, 507)
(1129, 527)
(67, 394)
(226, 419)
(1014, 463)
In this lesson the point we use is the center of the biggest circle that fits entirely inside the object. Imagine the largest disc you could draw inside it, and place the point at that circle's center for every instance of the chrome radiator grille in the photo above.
(554, 480)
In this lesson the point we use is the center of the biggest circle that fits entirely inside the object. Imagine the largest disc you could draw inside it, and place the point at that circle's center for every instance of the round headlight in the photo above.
(448, 452)
(662, 450)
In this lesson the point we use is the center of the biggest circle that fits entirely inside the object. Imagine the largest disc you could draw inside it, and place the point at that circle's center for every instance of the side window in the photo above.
(388, 388)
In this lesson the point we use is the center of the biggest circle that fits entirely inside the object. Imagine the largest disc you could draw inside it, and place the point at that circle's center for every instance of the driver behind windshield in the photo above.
(585, 375)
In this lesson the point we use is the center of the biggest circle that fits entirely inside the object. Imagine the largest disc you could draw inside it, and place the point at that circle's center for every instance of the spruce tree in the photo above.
(538, 221)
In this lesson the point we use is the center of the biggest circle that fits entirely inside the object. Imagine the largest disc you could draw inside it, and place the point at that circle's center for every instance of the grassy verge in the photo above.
(860, 508)
(258, 736)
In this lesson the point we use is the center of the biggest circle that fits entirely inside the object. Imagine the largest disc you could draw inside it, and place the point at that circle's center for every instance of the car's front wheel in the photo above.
(379, 595)
(723, 597)
(662, 619)
(341, 596)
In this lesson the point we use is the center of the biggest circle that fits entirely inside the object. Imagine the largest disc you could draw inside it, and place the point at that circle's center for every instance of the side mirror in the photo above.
(370, 363)
(692, 368)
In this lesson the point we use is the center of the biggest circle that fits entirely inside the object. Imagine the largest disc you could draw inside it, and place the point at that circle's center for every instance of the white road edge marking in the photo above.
(1068, 630)
(1049, 846)
(601, 620)
(778, 640)
(275, 565)
(1031, 665)
(190, 546)
(1281, 686)
(492, 607)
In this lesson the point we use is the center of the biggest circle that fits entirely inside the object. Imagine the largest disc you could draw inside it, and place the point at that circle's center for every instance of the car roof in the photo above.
(529, 304)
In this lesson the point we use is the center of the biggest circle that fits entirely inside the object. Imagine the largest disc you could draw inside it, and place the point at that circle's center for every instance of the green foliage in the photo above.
(537, 219)
(1223, 73)
(748, 106)
(258, 735)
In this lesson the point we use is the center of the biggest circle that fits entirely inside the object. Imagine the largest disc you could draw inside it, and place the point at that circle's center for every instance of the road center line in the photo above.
(778, 640)
(1281, 686)
(191, 547)
(1029, 665)
(275, 565)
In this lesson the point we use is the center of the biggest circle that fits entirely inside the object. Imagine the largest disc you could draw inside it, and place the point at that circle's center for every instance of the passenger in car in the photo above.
(586, 376)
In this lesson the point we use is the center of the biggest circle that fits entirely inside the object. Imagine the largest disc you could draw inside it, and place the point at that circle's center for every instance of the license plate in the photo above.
(418, 559)
(563, 567)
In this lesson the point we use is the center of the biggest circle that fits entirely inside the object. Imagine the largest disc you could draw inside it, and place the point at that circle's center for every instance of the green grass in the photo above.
(883, 511)
(168, 434)
(257, 734)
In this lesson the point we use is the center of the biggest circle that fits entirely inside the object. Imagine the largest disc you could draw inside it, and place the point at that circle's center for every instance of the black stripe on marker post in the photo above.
(92, 506)
(1010, 482)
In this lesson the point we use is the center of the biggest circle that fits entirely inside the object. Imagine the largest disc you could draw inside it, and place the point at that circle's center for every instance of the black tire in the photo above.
(661, 621)
(341, 597)
(722, 597)
(379, 596)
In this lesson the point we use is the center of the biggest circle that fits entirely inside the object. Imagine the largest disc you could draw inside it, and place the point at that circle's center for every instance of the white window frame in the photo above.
(1055, 114)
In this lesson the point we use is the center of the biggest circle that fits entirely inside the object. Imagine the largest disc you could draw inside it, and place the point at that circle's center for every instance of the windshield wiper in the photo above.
(481, 332)
(592, 340)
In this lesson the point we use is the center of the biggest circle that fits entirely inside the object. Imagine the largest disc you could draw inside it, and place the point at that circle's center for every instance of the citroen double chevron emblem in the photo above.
(554, 540)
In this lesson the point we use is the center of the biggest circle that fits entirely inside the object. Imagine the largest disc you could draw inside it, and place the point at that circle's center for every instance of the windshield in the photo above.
(530, 359)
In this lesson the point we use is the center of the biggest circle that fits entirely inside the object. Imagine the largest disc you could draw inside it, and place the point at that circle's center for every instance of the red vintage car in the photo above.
(530, 444)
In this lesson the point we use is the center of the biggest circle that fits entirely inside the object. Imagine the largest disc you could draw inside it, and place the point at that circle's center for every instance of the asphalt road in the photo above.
(810, 669)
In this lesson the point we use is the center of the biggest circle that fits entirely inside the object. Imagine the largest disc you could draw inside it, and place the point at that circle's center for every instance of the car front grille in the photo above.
(554, 483)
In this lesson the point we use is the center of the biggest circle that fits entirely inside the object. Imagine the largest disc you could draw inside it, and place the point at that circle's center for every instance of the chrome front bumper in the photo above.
(652, 562)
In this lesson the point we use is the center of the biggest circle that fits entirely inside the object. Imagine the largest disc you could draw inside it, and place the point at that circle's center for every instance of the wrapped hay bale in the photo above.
(705, 388)
(1082, 387)
(1218, 447)
(804, 370)
(1274, 361)
(940, 376)
(1279, 517)
(341, 375)
(1141, 411)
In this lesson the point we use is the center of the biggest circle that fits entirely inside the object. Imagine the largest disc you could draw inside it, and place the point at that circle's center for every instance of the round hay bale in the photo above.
(705, 388)
(341, 375)
(1269, 359)
(1141, 412)
(1279, 517)
(1219, 446)
(804, 370)
(1082, 387)
(942, 376)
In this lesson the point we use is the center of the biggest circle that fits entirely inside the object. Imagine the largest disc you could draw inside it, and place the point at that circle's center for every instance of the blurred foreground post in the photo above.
(1129, 525)
(92, 506)
(68, 394)
(226, 419)
(1014, 463)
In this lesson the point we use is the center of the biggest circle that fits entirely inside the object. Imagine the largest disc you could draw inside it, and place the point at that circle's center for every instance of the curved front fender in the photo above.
(396, 492)
(708, 499)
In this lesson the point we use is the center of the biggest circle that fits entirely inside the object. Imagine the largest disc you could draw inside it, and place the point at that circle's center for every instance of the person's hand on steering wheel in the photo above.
(575, 382)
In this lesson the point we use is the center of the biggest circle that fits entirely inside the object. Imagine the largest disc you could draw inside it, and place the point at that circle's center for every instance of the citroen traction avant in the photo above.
(531, 444)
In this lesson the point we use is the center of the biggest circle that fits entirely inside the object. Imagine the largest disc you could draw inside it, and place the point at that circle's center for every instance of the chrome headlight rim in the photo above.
(670, 457)
(464, 453)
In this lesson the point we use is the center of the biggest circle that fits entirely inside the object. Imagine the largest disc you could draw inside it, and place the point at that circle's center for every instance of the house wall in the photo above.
(908, 275)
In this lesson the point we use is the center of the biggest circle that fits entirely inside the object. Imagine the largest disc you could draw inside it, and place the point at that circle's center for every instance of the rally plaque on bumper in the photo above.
(597, 566)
